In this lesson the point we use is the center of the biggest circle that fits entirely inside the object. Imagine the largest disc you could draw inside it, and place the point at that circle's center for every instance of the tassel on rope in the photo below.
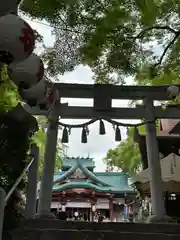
(117, 134)
(102, 130)
(65, 136)
(84, 136)
(136, 134)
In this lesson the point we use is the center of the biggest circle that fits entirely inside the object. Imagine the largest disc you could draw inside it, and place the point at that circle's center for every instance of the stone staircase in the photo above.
(56, 230)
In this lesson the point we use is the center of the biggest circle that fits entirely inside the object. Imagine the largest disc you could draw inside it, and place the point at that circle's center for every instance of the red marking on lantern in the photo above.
(40, 73)
(28, 38)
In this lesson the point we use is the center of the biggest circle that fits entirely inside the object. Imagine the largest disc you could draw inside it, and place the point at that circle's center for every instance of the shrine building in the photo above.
(78, 189)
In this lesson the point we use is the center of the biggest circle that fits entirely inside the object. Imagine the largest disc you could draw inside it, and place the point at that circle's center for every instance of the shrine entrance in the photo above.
(102, 110)
(80, 213)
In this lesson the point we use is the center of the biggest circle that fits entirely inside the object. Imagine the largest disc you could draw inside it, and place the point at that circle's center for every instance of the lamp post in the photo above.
(63, 207)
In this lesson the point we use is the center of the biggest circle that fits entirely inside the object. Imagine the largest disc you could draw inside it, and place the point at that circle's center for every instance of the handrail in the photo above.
(18, 181)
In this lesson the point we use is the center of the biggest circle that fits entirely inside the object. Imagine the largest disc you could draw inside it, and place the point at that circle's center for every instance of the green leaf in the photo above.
(148, 11)
(126, 156)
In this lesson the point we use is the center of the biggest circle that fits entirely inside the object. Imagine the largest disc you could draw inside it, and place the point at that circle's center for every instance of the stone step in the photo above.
(75, 234)
(168, 228)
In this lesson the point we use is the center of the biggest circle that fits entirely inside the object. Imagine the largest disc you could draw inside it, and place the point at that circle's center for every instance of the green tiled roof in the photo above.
(78, 184)
(85, 170)
(116, 179)
(112, 182)
(71, 161)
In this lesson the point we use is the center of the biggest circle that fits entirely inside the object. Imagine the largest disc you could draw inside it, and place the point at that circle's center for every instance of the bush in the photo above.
(15, 139)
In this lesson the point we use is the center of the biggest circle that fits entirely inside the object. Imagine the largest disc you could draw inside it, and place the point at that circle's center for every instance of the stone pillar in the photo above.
(2, 206)
(32, 184)
(45, 198)
(154, 167)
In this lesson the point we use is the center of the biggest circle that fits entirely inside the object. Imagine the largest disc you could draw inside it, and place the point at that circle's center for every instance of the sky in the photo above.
(97, 145)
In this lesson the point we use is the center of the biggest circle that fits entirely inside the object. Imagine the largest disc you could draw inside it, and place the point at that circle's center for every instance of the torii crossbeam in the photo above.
(108, 93)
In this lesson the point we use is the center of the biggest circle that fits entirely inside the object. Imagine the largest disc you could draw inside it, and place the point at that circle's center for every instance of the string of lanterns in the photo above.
(25, 68)
(85, 131)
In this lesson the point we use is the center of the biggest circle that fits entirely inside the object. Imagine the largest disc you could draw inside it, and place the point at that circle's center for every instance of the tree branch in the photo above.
(158, 27)
(167, 48)
(142, 33)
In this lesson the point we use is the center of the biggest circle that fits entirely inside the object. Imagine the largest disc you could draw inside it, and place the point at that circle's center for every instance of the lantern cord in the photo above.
(113, 122)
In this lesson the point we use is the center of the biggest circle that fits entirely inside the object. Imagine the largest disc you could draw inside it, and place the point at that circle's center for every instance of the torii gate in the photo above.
(103, 95)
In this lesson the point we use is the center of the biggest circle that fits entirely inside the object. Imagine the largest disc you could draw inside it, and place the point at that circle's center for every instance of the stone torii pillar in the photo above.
(154, 166)
(32, 184)
(45, 198)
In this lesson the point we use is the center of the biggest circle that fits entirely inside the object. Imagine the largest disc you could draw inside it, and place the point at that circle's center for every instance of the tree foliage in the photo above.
(115, 38)
(8, 92)
(15, 140)
(14, 145)
(126, 156)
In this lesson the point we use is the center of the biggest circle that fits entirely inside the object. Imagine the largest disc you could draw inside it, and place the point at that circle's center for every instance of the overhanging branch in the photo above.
(167, 48)
(156, 27)
(159, 27)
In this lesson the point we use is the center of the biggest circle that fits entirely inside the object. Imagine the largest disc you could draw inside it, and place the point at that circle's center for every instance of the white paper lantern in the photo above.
(36, 95)
(36, 92)
(27, 73)
(8, 6)
(40, 96)
(17, 39)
